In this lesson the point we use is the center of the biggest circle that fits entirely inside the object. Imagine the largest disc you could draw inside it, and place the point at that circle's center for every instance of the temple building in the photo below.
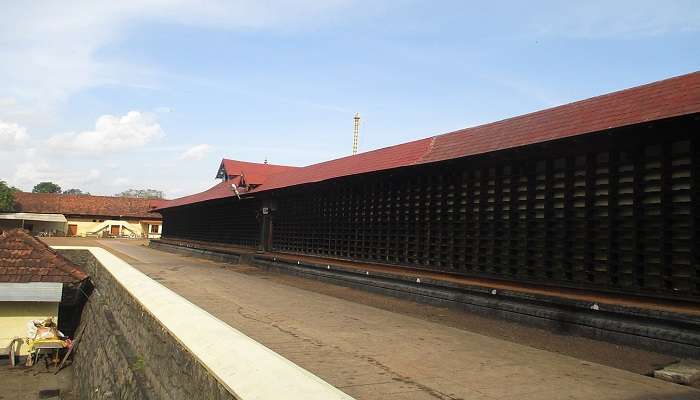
(601, 194)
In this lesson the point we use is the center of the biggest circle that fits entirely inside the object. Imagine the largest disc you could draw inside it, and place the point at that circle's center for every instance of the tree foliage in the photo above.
(7, 197)
(46, 187)
(142, 193)
(76, 192)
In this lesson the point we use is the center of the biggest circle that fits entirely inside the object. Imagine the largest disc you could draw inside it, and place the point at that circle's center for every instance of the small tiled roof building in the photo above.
(35, 282)
(25, 259)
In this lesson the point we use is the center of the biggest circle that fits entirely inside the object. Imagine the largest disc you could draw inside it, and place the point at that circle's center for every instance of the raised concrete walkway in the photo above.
(370, 353)
(245, 367)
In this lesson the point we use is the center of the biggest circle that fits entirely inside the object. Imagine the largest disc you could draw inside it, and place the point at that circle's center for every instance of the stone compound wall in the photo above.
(125, 353)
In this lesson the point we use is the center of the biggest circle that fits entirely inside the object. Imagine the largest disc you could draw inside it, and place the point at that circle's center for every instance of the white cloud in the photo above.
(7, 102)
(196, 152)
(11, 136)
(49, 50)
(30, 173)
(111, 134)
(121, 181)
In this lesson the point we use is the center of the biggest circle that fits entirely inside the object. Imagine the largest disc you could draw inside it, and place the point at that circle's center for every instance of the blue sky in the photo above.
(153, 93)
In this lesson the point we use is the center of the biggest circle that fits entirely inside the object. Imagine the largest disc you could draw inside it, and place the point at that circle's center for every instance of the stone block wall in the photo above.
(125, 353)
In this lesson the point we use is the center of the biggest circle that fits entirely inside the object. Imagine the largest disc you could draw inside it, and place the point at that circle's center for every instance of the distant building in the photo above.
(59, 214)
(35, 284)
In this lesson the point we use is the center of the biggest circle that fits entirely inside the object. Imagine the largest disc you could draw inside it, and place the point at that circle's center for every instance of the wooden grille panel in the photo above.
(230, 221)
(615, 211)
(617, 214)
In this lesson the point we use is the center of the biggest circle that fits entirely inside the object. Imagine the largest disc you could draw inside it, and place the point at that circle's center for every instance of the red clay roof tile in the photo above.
(254, 173)
(663, 99)
(220, 190)
(23, 258)
(52, 203)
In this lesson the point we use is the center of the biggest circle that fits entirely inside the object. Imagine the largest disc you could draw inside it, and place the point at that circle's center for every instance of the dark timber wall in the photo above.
(227, 221)
(616, 211)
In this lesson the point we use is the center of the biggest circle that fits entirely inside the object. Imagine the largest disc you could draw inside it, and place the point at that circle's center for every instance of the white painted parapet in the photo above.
(249, 370)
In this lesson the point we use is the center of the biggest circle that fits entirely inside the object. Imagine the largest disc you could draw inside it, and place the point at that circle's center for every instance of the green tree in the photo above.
(142, 193)
(46, 187)
(7, 197)
(76, 192)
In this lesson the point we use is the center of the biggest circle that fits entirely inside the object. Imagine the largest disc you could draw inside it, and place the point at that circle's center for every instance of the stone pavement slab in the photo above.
(685, 372)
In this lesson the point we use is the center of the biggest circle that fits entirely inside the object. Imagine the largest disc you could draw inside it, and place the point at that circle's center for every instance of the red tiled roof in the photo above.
(24, 258)
(254, 173)
(52, 203)
(387, 158)
(663, 99)
(218, 191)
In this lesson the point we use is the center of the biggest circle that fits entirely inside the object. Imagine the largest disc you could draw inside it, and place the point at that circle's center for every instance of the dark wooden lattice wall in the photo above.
(615, 211)
(230, 221)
